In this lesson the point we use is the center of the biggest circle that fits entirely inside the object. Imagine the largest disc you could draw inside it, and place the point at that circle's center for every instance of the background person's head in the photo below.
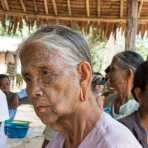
(4, 83)
(140, 86)
(97, 88)
(56, 65)
(121, 71)
(98, 82)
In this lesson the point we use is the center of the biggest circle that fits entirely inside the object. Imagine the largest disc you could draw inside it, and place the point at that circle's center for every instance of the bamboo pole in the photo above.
(131, 27)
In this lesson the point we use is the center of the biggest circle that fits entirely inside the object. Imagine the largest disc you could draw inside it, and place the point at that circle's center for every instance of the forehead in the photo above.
(36, 54)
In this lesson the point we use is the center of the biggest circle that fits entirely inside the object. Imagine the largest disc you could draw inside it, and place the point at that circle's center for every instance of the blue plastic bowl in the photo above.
(16, 129)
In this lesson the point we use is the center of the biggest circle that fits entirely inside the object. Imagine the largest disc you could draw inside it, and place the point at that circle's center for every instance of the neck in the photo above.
(79, 124)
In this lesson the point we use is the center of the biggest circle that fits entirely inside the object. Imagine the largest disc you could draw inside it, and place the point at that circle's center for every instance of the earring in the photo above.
(82, 98)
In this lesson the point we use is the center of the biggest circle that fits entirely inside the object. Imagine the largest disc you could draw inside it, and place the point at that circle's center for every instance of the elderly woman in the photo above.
(56, 65)
(120, 75)
(137, 122)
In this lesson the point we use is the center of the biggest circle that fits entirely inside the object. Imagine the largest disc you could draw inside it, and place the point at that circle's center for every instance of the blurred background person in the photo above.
(4, 115)
(12, 98)
(137, 122)
(120, 76)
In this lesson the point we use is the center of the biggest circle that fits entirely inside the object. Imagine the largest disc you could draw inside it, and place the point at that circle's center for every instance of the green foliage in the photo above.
(98, 56)
(23, 32)
(142, 47)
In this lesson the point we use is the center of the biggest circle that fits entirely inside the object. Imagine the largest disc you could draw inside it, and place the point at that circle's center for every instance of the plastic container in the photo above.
(16, 128)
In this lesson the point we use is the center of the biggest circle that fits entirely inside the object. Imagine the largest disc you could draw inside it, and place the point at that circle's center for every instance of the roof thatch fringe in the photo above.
(14, 23)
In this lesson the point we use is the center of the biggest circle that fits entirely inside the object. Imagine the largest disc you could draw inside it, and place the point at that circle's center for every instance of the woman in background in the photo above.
(4, 115)
(120, 78)
(137, 122)
(12, 98)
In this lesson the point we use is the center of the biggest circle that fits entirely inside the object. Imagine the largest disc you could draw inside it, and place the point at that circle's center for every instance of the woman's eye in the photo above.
(112, 68)
(28, 79)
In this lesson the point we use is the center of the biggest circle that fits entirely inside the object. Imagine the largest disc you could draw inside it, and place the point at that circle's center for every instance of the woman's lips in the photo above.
(41, 109)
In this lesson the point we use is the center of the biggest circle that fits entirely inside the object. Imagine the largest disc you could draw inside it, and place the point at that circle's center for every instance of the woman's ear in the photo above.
(84, 69)
(130, 77)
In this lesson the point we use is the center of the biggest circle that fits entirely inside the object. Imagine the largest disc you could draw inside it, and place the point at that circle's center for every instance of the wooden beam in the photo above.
(68, 18)
(132, 22)
(54, 7)
(140, 8)
(69, 7)
(46, 6)
(87, 8)
(23, 5)
(2, 3)
(127, 0)
(5, 5)
(121, 8)
(35, 6)
(99, 8)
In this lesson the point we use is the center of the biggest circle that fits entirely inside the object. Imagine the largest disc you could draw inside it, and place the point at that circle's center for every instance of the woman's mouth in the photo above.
(42, 109)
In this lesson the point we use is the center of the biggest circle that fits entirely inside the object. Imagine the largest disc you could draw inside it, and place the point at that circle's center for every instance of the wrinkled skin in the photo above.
(48, 84)
(120, 79)
(61, 93)
(117, 76)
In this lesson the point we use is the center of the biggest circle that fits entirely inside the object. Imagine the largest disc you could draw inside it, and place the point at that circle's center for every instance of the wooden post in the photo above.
(131, 26)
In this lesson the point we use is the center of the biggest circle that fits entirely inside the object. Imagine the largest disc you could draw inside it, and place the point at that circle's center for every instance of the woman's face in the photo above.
(5, 84)
(117, 76)
(53, 86)
(142, 96)
(145, 99)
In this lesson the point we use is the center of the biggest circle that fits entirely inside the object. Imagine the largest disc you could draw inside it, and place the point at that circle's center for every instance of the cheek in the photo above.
(112, 79)
(68, 97)
(115, 78)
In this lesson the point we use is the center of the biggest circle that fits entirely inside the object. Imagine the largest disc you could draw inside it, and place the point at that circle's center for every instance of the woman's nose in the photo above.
(36, 90)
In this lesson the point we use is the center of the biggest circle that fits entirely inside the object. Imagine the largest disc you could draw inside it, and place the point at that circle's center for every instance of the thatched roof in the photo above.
(105, 15)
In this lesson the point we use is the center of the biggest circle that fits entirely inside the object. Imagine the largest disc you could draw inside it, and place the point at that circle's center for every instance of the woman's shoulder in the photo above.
(130, 120)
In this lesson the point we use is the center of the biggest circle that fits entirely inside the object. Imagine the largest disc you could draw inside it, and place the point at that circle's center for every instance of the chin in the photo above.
(49, 120)
(57, 127)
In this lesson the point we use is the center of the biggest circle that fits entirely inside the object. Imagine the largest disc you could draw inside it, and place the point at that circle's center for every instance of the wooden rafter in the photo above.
(68, 18)
(46, 6)
(64, 18)
(35, 6)
(99, 8)
(127, 0)
(69, 7)
(5, 5)
(55, 7)
(140, 7)
(87, 8)
(121, 8)
(23, 5)
(2, 3)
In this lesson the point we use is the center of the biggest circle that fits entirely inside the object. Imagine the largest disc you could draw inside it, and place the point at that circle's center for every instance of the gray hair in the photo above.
(129, 59)
(69, 43)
